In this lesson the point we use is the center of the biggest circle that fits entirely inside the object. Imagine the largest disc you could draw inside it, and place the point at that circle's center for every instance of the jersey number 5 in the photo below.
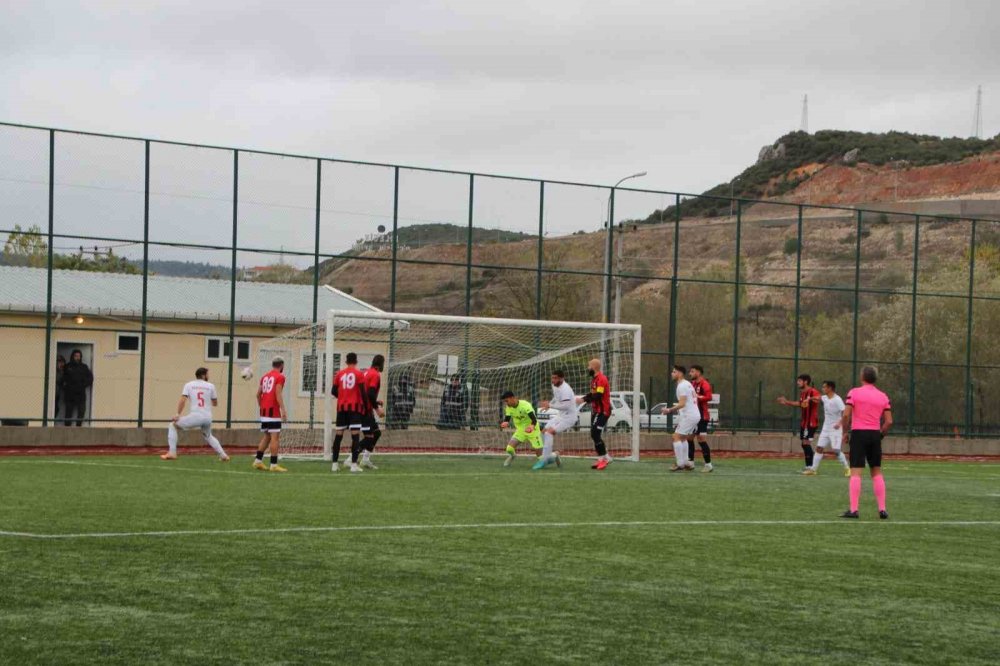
(201, 398)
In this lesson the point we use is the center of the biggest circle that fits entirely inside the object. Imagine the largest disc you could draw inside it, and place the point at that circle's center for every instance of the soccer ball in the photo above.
(247, 373)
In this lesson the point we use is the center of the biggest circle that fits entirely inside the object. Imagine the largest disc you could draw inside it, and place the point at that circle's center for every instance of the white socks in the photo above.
(680, 452)
(547, 445)
(843, 459)
(816, 458)
(172, 439)
(216, 446)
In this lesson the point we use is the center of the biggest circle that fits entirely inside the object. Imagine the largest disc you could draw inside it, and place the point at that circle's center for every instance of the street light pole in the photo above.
(607, 246)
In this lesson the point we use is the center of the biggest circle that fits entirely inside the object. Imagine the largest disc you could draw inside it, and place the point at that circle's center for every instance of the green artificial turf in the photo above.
(632, 565)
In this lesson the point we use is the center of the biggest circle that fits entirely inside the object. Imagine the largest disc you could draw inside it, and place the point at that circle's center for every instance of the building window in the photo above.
(128, 343)
(313, 382)
(217, 349)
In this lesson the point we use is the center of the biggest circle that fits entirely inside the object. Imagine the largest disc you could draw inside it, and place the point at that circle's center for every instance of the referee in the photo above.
(868, 414)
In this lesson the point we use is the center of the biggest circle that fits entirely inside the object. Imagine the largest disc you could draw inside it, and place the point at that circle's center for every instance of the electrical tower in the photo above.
(804, 126)
(977, 118)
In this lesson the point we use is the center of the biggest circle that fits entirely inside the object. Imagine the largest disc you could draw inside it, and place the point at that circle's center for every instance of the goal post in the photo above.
(444, 377)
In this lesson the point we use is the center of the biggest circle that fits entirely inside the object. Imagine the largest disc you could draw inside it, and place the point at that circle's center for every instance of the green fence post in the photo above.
(541, 249)
(48, 286)
(913, 326)
(857, 298)
(736, 317)
(321, 367)
(672, 326)
(968, 331)
(395, 239)
(607, 257)
(145, 289)
(798, 290)
(468, 250)
(232, 291)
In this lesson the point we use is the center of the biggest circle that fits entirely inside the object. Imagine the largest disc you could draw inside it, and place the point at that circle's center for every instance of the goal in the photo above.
(444, 378)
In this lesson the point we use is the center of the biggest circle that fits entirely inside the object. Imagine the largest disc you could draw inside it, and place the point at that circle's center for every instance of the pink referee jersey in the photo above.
(868, 404)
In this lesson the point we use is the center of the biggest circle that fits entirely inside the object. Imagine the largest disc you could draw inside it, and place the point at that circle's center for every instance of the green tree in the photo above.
(26, 247)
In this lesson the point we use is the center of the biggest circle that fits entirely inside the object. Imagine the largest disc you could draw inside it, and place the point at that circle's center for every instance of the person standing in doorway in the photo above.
(59, 410)
(76, 379)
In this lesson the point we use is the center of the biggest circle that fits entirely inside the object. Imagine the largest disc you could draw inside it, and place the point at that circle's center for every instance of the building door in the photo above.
(65, 349)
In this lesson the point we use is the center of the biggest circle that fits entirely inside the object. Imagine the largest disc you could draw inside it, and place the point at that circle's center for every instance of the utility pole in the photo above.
(977, 118)
(804, 125)
(607, 246)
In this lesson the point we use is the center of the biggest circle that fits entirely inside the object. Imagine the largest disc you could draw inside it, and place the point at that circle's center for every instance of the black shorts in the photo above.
(807, 434)
(866, 446)
(270, 426)
(599, 422)
(350, 419)
(703, 426)
(369, 423)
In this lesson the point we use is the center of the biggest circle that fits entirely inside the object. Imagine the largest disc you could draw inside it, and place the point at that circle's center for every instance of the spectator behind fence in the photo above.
(59, 410)
(76, 379)
(402, 400)
(454, 405)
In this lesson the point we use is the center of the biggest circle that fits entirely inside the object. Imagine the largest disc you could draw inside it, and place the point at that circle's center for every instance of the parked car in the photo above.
(620, 421)
(655, 419)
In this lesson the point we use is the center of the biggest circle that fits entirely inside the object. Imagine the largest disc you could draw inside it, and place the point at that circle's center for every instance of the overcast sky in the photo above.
(572, 90)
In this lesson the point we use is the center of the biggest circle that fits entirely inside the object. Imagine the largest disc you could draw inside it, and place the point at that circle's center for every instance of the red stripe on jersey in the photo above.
(601, 404)
(810, 413)
(373, 382)
(270, 386)
(704, 392)
(350, 383)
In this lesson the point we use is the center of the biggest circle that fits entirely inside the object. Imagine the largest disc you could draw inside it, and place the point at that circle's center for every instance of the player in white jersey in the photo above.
(688, 416)
(202, 396)
(564, 402)
(832, 434)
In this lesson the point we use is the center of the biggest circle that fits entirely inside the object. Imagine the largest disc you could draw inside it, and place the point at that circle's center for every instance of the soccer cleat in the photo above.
(849, 514)
(677, 468)
(601, 464)
(224, 458)
(276, 468)
(368, 464)
(883, 515)
(259, 464)
(597, 464)
(809, 472)
(508, 460)
(847, 471)
(689, 467)
(335, 467)
(168, 456)
(707, 468)
(539, 464)
(355, 468)
(557, 459)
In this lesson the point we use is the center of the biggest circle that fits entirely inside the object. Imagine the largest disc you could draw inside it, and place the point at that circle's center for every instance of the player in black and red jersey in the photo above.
(703, 391)
(272, 413)
(599, 399)
(372, 433)
(349, 390)
(808, 403)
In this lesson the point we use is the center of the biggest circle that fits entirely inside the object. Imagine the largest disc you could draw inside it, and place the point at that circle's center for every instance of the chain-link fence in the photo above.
(152, 258)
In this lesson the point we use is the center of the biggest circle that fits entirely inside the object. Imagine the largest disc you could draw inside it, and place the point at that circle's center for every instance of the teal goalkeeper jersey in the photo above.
(520, 415)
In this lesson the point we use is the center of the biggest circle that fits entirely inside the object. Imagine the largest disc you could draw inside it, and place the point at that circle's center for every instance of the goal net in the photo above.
(444, 378)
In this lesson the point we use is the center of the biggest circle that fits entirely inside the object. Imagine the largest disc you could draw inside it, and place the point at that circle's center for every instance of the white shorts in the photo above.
(687, 425)
(196, 422)
(561, 423)
(830, 439)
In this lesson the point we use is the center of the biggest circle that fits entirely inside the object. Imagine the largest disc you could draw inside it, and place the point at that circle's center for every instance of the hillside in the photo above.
(836, 167)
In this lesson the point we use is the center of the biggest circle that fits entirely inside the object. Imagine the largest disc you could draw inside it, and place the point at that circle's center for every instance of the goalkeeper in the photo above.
(521, 415)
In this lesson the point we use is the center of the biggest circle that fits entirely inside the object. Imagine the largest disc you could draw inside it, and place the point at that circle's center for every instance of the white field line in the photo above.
(494, 526)
(554, 474)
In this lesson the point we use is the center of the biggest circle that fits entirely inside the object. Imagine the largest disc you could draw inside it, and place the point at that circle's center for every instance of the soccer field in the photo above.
(455, 560)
